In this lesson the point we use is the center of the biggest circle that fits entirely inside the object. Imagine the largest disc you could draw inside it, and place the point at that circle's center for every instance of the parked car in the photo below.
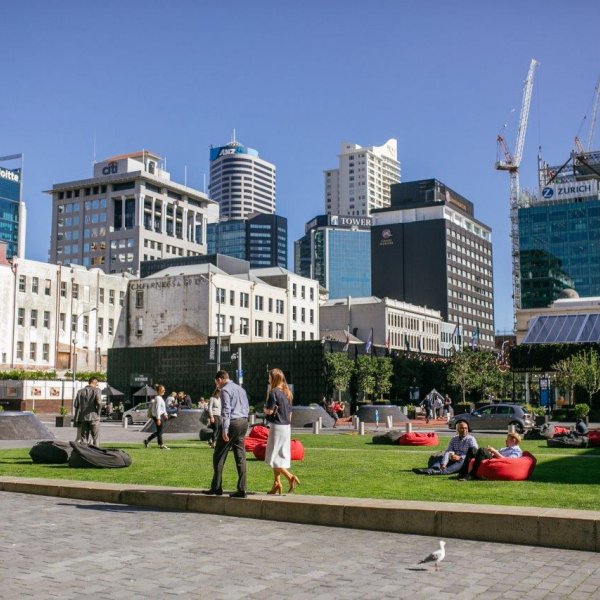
(495, 416)
(137, 414)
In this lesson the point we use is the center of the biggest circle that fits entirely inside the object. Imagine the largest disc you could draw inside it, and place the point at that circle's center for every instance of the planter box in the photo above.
(63, 421)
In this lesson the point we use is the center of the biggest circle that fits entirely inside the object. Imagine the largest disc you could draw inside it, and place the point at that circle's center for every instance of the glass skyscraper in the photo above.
(12, 209)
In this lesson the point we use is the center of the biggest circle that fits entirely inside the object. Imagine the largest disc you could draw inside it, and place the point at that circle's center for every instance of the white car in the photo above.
(137, 414)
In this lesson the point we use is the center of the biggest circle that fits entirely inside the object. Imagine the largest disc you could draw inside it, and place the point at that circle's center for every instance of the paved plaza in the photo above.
(64, 548)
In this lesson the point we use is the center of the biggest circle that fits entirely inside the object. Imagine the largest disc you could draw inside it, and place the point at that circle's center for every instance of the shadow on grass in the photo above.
(16, 461)
(567, 469)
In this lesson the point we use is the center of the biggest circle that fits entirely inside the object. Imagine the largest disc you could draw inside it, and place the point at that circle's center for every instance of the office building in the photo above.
(129, 211)
(362, 181)
(261, 239)
(336, 251)
(12, 208)
(241, 182)
(428, 249)
(559, 233)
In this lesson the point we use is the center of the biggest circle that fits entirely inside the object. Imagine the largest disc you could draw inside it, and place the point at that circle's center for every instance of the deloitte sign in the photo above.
(10, 175)
(571, 190)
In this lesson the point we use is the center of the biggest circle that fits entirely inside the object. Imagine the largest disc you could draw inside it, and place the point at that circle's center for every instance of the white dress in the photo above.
(279, 452)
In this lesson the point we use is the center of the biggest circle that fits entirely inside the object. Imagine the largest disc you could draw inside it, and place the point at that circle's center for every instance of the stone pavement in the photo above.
(65, 548)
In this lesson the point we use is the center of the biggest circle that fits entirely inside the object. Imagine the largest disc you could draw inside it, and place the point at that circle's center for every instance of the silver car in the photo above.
(137, 414)
(495, 416)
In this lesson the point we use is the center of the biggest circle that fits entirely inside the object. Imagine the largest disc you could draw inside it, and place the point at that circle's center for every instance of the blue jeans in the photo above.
(452, 467)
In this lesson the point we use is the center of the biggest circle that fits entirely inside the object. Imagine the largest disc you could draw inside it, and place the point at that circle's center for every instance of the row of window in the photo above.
(34, 315)
(75, 289)
(88, 191)
(33, 351)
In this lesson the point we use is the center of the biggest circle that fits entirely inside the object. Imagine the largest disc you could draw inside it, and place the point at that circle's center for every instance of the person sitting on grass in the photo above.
(511, 450)
(581, 428)
(454, 456)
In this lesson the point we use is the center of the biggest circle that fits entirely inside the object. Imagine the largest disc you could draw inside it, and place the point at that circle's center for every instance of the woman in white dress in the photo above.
(278, 411)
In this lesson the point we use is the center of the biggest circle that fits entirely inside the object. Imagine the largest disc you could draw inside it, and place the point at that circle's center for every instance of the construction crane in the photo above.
(579, 149)
(511, 162)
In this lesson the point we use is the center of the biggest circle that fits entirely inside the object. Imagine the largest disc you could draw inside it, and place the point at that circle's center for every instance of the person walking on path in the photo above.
(214, 416)
(86, 406)
(159, 416)
(278, 410)
(234, 425)
(427, 406)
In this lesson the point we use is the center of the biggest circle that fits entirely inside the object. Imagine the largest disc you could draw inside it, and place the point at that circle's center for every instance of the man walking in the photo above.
(234, 424)
(87, 412)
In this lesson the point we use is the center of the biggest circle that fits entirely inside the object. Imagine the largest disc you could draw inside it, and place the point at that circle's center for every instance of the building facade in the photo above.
(428, 249)
(241, 182)
(128, 212)
(261, 239)
(362, 181)
(12, 208)
(59, 317)
(388, 323)
(336, 251)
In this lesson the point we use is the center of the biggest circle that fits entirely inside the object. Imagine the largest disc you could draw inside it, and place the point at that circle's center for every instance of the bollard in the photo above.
(316, 427)
(361, 428)
(408, 427)
(124, 422)
(320, 422)
(390, 421)
(252, 420)
(511, 429)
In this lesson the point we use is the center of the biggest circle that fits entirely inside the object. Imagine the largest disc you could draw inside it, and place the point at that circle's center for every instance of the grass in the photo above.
(350, 465)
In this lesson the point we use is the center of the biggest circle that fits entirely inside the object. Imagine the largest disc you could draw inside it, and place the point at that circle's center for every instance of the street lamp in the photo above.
(74, 365)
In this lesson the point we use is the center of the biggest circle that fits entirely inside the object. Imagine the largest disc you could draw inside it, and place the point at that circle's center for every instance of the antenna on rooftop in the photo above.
(233, 135)
(94, 149)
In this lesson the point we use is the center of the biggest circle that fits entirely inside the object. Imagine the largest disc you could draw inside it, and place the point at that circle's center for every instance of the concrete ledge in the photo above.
(553, 528)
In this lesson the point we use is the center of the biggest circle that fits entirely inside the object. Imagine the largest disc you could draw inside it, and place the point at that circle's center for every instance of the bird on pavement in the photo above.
(437, 556)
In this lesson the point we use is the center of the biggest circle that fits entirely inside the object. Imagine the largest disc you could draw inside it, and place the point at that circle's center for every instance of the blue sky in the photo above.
(294, 80)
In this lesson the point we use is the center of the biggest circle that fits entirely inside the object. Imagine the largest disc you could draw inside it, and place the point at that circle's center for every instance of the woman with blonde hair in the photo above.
(278, 411)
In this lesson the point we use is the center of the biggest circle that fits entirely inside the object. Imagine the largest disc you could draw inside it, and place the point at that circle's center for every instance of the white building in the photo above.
(128, 212)
(362, 180)
(241, 182)
(397, 325)
(185, 305)
(59, 317)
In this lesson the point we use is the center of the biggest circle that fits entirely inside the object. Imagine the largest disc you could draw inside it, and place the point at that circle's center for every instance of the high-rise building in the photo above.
(241, 182)
(128, 212)
(559, 233)
(261, 239)
(336, 250)
(12, 207)
(428, 249)
(362, 181)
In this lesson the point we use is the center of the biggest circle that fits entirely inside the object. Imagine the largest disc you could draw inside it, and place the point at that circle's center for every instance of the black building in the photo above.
(428, 249)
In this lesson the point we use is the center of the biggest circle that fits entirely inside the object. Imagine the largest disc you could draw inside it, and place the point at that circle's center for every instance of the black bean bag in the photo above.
(53, 452)
(205, 434)
(391, 437)
(568, 441)
(92, 457)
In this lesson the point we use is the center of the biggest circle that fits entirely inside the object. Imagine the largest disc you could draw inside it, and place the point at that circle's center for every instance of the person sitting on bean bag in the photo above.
(581, 428)
(511, 450)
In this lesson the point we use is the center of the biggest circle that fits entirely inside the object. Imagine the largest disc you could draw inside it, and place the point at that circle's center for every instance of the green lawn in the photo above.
(350, 465)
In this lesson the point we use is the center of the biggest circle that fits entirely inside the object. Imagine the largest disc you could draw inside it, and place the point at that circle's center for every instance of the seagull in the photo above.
(437, 556)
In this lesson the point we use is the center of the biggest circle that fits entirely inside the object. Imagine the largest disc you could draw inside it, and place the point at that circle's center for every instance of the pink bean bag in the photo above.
(593, 437)
(414, 438)
(297, 450)
(507, 469)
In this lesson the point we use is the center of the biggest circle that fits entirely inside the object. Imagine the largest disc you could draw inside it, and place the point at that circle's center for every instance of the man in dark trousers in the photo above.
(87, 412)
(234, 424)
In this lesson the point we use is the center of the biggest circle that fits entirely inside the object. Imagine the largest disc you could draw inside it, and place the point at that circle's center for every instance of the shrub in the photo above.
(581, 410)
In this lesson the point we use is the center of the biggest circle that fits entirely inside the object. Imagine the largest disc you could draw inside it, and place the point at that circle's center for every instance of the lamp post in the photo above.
(74, 365)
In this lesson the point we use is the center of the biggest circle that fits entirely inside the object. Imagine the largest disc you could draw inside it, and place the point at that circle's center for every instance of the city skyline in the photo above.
(295, 81)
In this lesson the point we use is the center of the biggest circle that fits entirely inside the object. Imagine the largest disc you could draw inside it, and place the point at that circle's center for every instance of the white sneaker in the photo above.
(163, 447)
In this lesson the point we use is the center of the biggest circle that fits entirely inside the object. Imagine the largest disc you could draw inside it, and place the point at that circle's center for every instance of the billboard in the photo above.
(230, 149)
(571, 190)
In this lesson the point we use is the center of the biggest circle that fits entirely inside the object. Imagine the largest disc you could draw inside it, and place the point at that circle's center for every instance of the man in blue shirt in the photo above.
(234, 424)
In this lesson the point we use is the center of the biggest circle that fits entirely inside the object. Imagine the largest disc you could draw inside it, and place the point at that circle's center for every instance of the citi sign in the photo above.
(111, 168)
(10, 175)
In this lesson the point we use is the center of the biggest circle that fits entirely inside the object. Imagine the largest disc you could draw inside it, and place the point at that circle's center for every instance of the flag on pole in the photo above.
(475, 338)
(347, 344)
(369, 343)
(456, 334)
(406, 343)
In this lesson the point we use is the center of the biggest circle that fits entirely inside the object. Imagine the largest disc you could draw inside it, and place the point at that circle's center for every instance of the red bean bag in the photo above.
(414, 438)
(593, 437)
(507, 469)
(257, 435)
(250, 443)
(297, 450)
(560, 431)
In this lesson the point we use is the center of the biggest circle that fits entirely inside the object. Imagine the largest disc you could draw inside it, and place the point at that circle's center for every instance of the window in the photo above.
(111, 327)
(279, 307)
(258, 328)
(63, 321)
(19, 350)
(312, 316)
(279, 331)
(22, 283)
(244, 326)
(86, 324)
(100, 325)
(220, 296)
(220, 322)
(303, 315)
(46, 352)
(111, 297)
(34, 315)
(101, 297)
(231, 324)
(75, 293)
(312, 293)
(47, 319)
(270, 330)
(139, 298)
(63, 289)
(35, 285)
(32, 351)
(21, 316)
(303, 292)
(48, 287)
(121, 298)
(294, 290)
(244, 300)
(232, 298)
(258, 302)
(270, 306)
(294, 313)
(74, 323)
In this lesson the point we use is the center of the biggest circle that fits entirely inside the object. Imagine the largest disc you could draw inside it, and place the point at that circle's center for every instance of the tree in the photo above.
(339, 370)
(565, 375)
(463, 372)
(384, 369)
(365, 371)
(489, 377)
(586, 368)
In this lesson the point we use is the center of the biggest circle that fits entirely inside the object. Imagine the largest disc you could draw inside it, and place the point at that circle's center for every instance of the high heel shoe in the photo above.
(294, 483)
(276, 489)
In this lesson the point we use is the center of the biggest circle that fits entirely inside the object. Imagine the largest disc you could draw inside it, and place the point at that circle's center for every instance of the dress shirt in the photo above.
(511, 452)
(234, 404)
(460, 446)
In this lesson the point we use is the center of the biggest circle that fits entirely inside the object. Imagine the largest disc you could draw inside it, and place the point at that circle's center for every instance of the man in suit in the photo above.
(234, 425)
(87, 412)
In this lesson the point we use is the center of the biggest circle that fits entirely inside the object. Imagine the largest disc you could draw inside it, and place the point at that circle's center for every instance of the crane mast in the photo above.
(511, 162)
